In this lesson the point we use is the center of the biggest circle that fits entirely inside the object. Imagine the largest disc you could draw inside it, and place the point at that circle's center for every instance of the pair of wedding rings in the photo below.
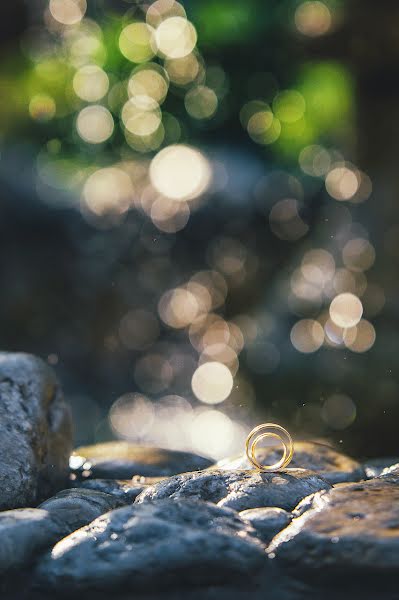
(276, 433)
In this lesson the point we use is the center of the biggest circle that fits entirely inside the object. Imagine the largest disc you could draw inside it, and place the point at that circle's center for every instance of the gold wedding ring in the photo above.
(269, 430)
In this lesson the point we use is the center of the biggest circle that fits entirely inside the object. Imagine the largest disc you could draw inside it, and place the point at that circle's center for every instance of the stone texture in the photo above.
(332, 465)
(351, 530)
(155, 546)
(239, 490)
(35, 432)
(125, 490)
(391, 472)
(375, 466)
(121, 460)
(26, 532)
(267, 522)
(77, 507)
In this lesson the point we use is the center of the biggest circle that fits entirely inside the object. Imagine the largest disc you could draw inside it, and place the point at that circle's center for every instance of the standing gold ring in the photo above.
(269, 430)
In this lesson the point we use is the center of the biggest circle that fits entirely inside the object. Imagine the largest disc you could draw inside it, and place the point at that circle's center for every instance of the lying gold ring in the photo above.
(269, 430)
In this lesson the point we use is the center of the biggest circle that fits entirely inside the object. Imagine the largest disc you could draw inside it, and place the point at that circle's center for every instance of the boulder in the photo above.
(267, 522)
(35, 432)
(351, 530)
(155, 546)
(333, 466)
(122, 460)
(239, 490)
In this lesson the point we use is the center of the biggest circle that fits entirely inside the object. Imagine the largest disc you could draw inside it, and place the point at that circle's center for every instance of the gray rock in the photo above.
(332, 465)
(26, 532)
(125, 490)
(392, 472)
(239, 490)
(35, 432)
(267, 521)
(76, 507)
(155, 546)
(121, 460)
(375, 466)
(350, 530)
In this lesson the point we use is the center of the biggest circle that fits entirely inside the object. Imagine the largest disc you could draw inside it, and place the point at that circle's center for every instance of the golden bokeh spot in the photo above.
(307, 336)
(42, 108)
(212, 382)
(201, 102)
(180, 172)
(95, 124)
(90, 83)
(313, 18)
(149, 80)
(342, 183)
(67, 12)
(175, 37)
(136, 42)
(141, 115)
(346, 310)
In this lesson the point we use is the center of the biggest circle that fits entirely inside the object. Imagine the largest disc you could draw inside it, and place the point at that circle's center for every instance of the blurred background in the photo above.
(199, 216)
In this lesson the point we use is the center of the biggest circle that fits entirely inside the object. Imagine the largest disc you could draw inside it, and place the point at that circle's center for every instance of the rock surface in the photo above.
(375, 466)
(353, 529)
(26, 532)
(125, 490)
(332, 465)
(153, 546)
(239, 490)
(267, 522)
(77, 507)
(121, 460)
(35, 432)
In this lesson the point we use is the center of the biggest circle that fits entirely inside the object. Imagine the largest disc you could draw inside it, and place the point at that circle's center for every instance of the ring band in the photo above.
(269, 430)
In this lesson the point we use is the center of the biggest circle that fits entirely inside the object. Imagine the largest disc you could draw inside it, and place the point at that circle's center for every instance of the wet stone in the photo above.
(327, 462)
(351, 530)
(267, 521)
(35, 432)
(155, 546)
(77, 507)
(239, 490)
(375, 466)
(121, 460)
(125, 490)
(26, 532)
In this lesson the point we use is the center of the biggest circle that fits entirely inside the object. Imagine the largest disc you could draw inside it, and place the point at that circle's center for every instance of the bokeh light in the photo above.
(137, 43)
(175, 37)
(90, 83)
(212, 382)
(180, 172)
(95, 124)
(346, 310)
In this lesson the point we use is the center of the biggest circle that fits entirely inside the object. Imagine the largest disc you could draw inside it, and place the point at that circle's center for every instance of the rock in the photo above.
(77, 507)
(155, 546)
(239, 490)
(350, 530)
(375, 466)
(125, 490)
(267, 521)
(35, 432)
(332, 465)
(121, 460)
(25, 532)
(392, 471)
